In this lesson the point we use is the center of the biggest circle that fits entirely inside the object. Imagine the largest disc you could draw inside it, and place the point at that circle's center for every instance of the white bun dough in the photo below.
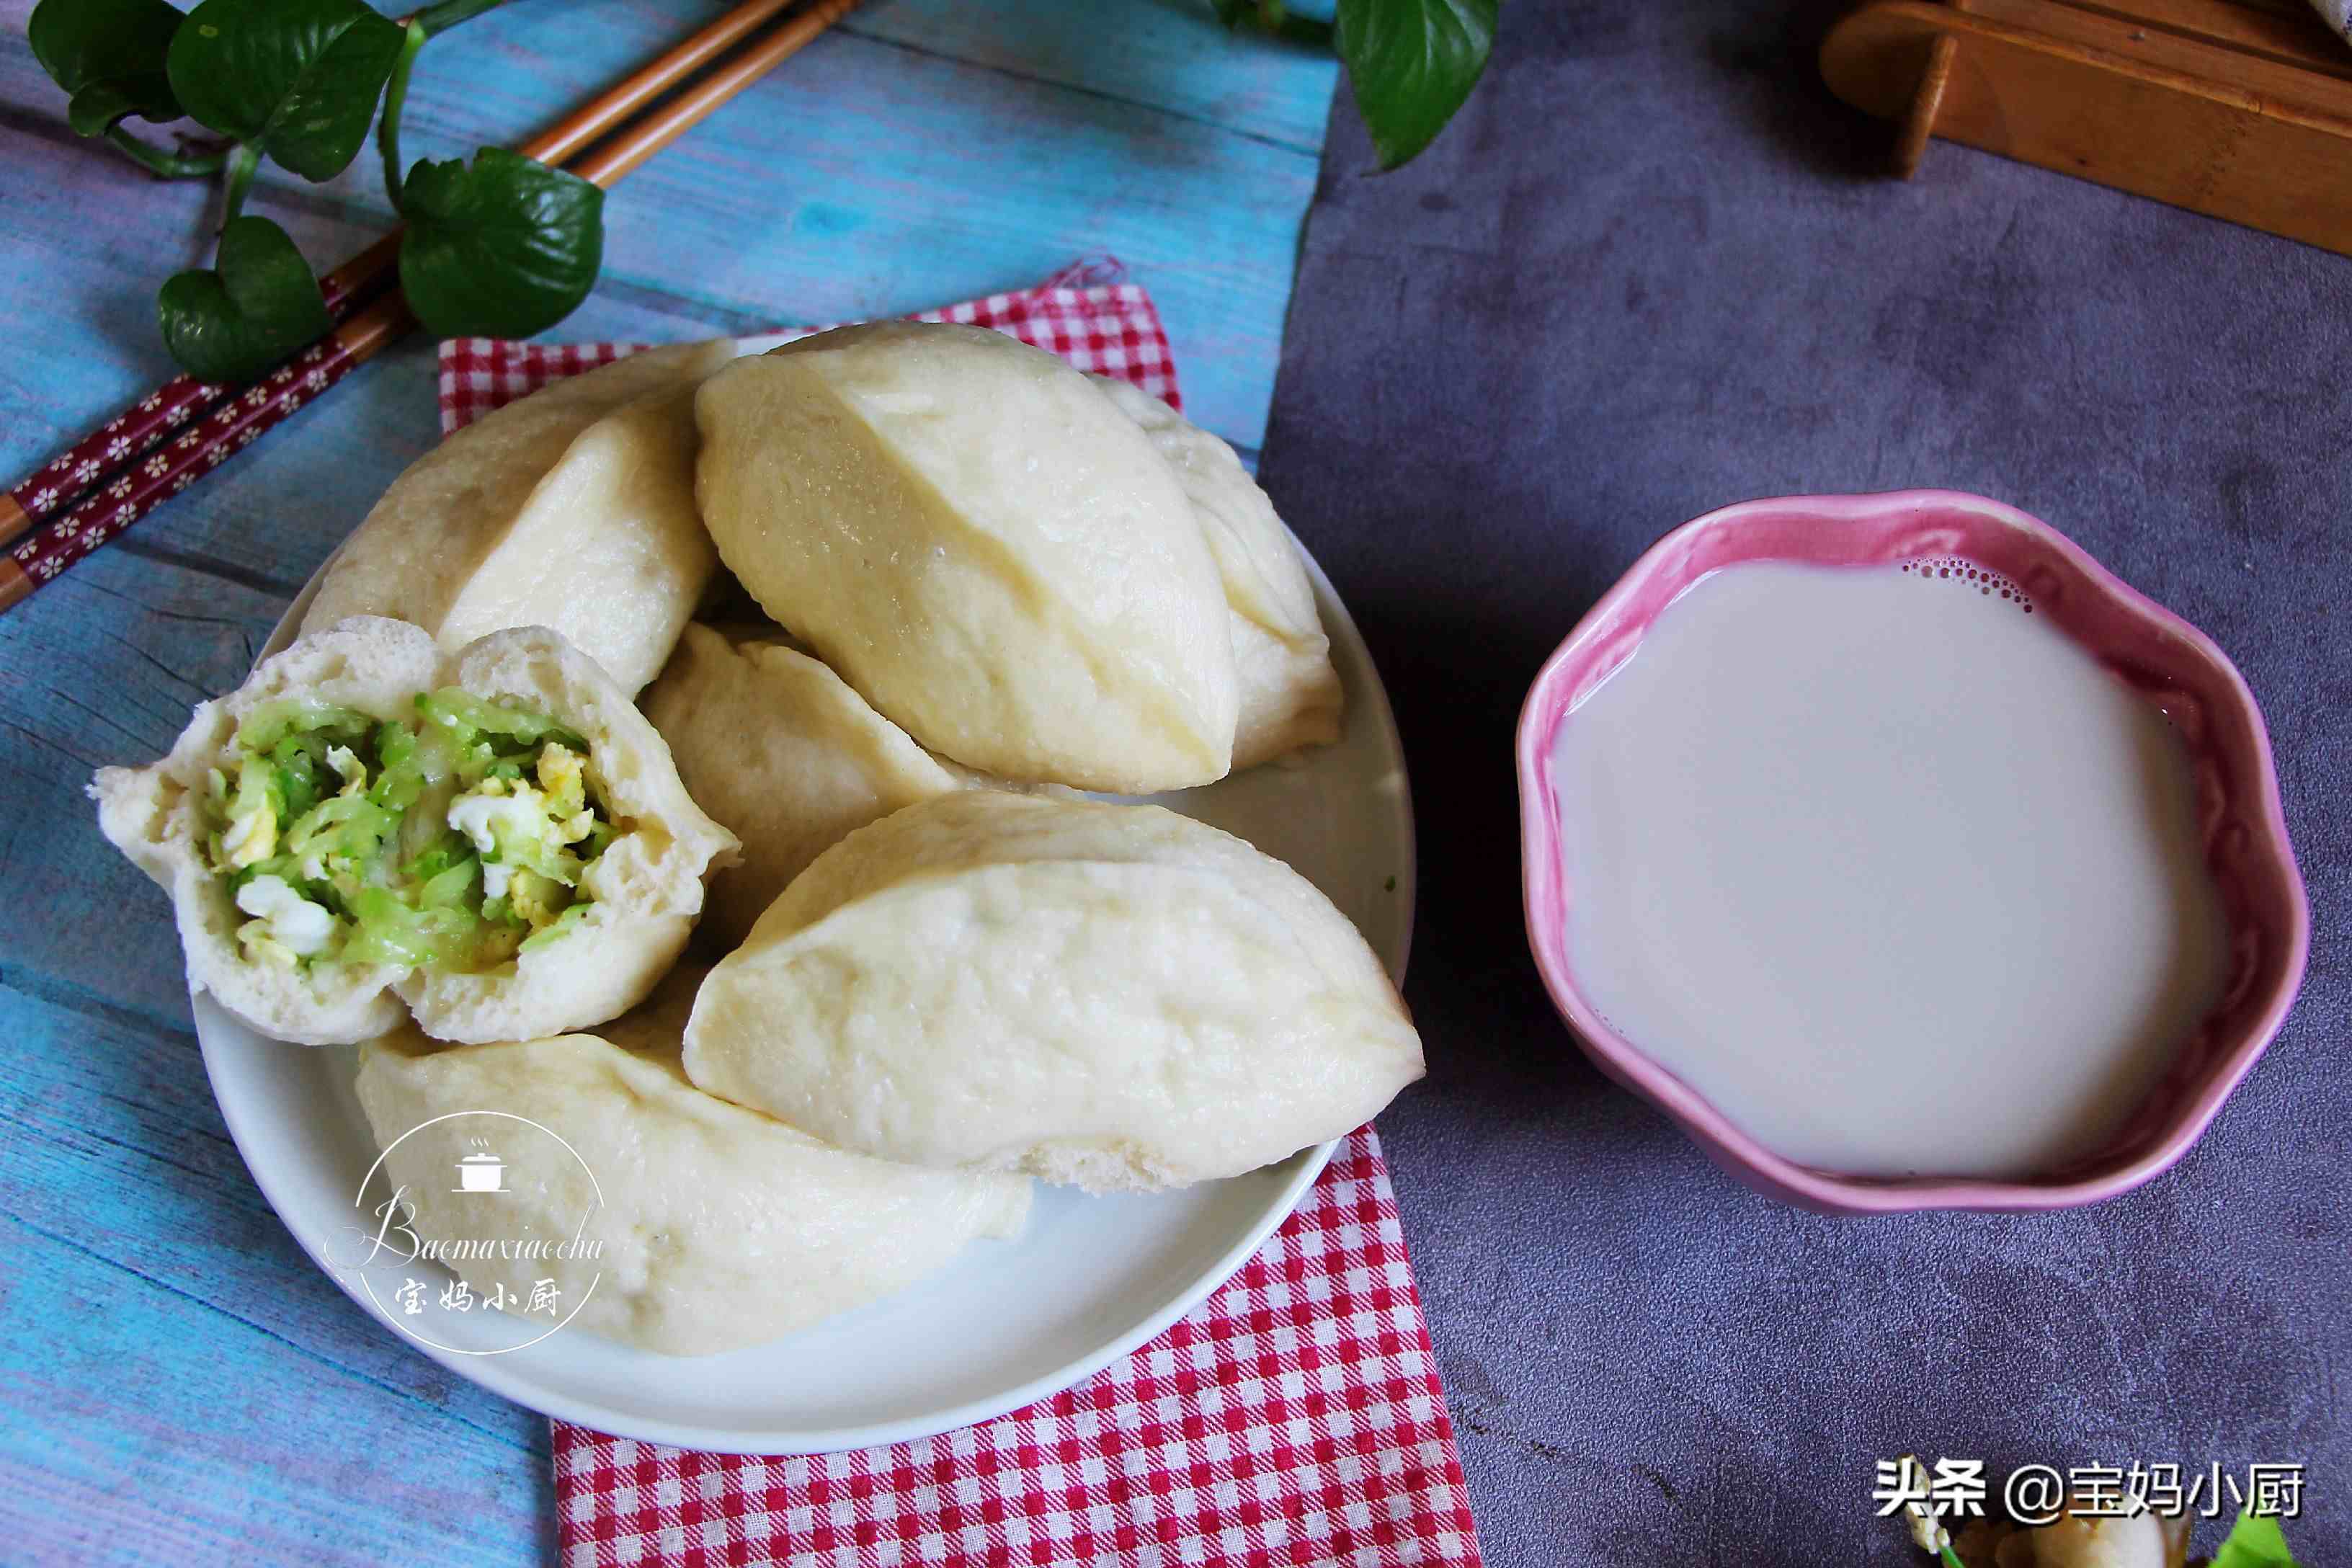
(155, 816)
(777, 748)
(1290, 695)
(982, 545)
(719, 1227)
(1113, 996)
(572, 508)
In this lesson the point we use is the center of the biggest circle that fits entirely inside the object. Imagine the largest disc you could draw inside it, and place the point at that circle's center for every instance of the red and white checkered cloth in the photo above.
(1292, 1420)
(1084, 312)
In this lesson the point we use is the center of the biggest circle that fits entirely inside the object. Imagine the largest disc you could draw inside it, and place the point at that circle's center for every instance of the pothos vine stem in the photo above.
(395, 99)
(440, 18)
(166, 165)
(1275, 17)
(243, 160)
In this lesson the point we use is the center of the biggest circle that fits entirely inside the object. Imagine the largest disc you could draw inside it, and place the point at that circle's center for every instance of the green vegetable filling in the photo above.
(453, 840)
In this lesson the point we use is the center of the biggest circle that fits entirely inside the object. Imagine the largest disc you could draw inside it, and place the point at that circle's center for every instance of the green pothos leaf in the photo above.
(108, 55)
(2258, 1541)
(502, 248)
(297, 79)
(257, 305)
(1411, 63)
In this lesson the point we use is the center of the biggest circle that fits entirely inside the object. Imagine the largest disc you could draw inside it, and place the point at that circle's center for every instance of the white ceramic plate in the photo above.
(1009, 1322)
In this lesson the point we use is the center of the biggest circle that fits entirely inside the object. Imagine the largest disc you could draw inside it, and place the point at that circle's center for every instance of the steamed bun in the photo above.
(982, 545)
(156, 816)
(646, 887)
(1290, 695)
(572, 508)
(777, 747)
(722, 1227)
(1113, 996)
(496, 838)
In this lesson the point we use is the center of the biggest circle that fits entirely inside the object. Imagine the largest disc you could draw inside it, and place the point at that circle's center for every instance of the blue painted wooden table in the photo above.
(177, 1383)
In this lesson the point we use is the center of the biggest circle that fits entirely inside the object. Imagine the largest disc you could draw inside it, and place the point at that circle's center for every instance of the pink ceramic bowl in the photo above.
(2175, 664)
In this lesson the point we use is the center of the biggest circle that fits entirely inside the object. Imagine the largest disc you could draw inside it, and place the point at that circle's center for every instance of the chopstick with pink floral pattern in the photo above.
(67, 483)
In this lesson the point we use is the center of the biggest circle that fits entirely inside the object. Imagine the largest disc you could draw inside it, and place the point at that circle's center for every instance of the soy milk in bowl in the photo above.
(1906, 857)
(1888, 868)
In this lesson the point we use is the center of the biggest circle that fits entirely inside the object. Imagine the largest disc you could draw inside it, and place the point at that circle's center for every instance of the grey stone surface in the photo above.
(1647, 273)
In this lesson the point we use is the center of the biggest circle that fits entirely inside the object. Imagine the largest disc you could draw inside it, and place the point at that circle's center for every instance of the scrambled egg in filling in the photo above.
(288, 926)
(525, 835)
(312, 830)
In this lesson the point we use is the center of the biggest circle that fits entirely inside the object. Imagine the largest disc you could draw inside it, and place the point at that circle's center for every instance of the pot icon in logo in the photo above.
(481, 1172)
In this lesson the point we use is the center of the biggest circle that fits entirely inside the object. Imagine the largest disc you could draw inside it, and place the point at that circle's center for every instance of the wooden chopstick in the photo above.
(85, 488)
(632, 146)
(611, 109)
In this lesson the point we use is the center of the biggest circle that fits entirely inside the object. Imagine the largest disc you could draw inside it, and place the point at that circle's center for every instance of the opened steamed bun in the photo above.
(572, 508)
(498, 838)
(721, 1227)
(644, 891)
(158, 818)
(982, 545)
(1113, 996)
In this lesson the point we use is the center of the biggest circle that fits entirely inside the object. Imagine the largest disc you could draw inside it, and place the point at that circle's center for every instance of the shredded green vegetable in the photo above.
(453, 841)
(271, 722)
